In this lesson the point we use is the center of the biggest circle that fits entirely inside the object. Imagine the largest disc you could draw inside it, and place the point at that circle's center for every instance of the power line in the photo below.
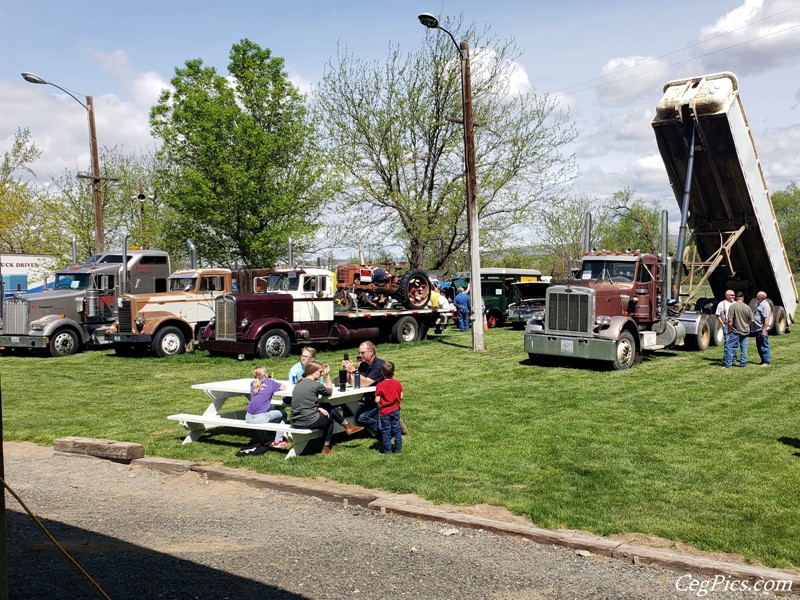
(636, 66)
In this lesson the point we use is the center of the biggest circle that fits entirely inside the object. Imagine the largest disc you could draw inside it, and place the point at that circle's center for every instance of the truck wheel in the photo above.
(274, 344)
(779, 322)
(63, 343)
(405, 330)
(702, 339)
(493, 320)
(414, 289)
(625, 352)
(169, 341)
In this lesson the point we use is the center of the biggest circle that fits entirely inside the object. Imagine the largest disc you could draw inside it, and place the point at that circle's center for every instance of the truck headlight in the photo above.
(139, 323)
(603, 321)
(244, 323)
(37, 326)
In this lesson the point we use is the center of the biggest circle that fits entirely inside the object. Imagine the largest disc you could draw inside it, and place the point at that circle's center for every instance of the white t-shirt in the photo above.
(722, 310)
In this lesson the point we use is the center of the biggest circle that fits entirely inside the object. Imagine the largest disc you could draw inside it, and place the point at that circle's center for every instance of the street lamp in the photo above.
(97, 200)
(431, 22)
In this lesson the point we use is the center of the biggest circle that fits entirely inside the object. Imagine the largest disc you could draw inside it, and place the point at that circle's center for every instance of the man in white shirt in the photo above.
(722, 317)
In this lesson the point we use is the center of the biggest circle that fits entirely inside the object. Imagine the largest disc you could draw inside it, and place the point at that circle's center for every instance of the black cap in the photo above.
(740, 294)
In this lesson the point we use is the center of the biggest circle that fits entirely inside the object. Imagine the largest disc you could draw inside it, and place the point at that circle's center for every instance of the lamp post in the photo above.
(97, 200)
(473, 237)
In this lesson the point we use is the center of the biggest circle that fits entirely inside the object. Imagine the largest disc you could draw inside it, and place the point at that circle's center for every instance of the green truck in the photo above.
(498, 290)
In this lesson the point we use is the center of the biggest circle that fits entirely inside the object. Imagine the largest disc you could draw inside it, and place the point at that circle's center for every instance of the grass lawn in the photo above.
(676, 447)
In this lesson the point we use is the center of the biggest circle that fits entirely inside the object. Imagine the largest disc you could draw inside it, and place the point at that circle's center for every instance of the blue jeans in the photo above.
(762, 344)
(463, 318)
(271, 416)
(725, 334)
(367, 415)
(390, 428)
(736, 341)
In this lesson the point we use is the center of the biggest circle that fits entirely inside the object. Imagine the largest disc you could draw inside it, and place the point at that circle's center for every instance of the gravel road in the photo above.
(145, 534)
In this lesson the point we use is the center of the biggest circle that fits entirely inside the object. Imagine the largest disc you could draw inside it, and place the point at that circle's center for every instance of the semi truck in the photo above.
(78, 311)
(303, 305)
(623, 304)
(168, 323)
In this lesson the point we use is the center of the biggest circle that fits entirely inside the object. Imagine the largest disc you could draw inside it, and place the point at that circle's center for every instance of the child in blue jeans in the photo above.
(388, 395)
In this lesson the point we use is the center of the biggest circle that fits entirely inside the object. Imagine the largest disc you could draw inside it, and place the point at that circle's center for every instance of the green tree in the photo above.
(560, 232)
(247, 172)
(27, 222)
(786, 204)
(386, 125)
(629, 222)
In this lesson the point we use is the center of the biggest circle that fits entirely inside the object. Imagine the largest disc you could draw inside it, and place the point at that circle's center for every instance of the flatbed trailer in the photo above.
(704, 137)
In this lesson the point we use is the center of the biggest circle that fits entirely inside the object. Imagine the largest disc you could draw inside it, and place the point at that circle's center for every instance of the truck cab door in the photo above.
(645, 288)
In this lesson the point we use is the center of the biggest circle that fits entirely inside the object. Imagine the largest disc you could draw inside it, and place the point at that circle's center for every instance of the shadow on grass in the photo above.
(790, 441)
(124, 570)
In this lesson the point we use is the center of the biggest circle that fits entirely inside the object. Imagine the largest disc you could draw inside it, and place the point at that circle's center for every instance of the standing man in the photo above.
(369, 367)
(740, 318)
(762, 319)
(722, 317)
(461, 303)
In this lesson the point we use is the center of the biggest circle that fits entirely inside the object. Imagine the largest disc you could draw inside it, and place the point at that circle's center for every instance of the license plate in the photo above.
(15, 339)
(567, 346)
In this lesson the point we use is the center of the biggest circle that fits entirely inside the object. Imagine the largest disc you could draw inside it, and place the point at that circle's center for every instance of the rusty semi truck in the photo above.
(623, 304)
(81, 307)
(306, 305)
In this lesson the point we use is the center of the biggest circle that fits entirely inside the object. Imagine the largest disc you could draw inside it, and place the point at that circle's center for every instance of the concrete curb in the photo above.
(385, 502)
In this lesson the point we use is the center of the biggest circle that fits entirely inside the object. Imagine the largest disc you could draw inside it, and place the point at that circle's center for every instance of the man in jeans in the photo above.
(740, 318)
(762, 319)
(722, 317)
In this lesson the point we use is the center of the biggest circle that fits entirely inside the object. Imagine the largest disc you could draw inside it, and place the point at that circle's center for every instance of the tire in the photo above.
(64, 342)
(414, 289)
(274, 344)
(169, 341)
(405, 330)
(624, 352)
(717, 331)
(704, 305)
(343, 300)
(493, 320)
(779, 323)
(702, 339)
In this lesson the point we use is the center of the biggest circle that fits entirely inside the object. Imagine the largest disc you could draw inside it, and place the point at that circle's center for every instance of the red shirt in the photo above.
(390, 391)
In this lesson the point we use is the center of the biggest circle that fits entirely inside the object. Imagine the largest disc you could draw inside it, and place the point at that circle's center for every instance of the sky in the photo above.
(606, 63)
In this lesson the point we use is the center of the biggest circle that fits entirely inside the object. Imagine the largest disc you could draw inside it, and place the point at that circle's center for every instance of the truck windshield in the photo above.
(72, 281)
(283, 282)
(608, 269)
(182, 284)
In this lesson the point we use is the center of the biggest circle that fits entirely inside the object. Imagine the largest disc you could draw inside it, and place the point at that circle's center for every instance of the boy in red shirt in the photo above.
(388, 395)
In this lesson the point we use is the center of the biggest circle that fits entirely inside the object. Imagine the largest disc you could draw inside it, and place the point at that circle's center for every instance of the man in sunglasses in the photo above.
(369, 368)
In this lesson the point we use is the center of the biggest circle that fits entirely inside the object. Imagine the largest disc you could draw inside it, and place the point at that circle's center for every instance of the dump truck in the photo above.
(82, 305)
(623, 304)
(735, 243)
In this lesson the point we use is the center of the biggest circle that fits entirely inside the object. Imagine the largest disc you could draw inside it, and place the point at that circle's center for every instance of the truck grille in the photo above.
(225, 324)
(15, 316)
(570, 310)
(124, 320)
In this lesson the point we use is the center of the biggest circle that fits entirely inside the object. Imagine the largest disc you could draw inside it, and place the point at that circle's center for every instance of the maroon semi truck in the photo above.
(300, 306)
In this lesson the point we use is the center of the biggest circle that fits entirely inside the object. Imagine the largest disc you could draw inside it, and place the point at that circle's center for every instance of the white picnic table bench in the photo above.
(221, 391)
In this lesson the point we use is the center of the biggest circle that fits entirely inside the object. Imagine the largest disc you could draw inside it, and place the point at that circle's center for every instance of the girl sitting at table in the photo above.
(309, 413)
(260, 409)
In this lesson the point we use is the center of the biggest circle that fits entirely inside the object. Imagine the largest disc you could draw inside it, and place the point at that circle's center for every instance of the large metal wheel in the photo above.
(494, 319)
(702, 339)
(414, 289)
(405, 330)
(779, 321)
(169, 341)
(625, 352)
(63, 343)
(275, 343)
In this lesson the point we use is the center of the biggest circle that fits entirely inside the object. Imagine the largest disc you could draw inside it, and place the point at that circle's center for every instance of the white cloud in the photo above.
(757, 36)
